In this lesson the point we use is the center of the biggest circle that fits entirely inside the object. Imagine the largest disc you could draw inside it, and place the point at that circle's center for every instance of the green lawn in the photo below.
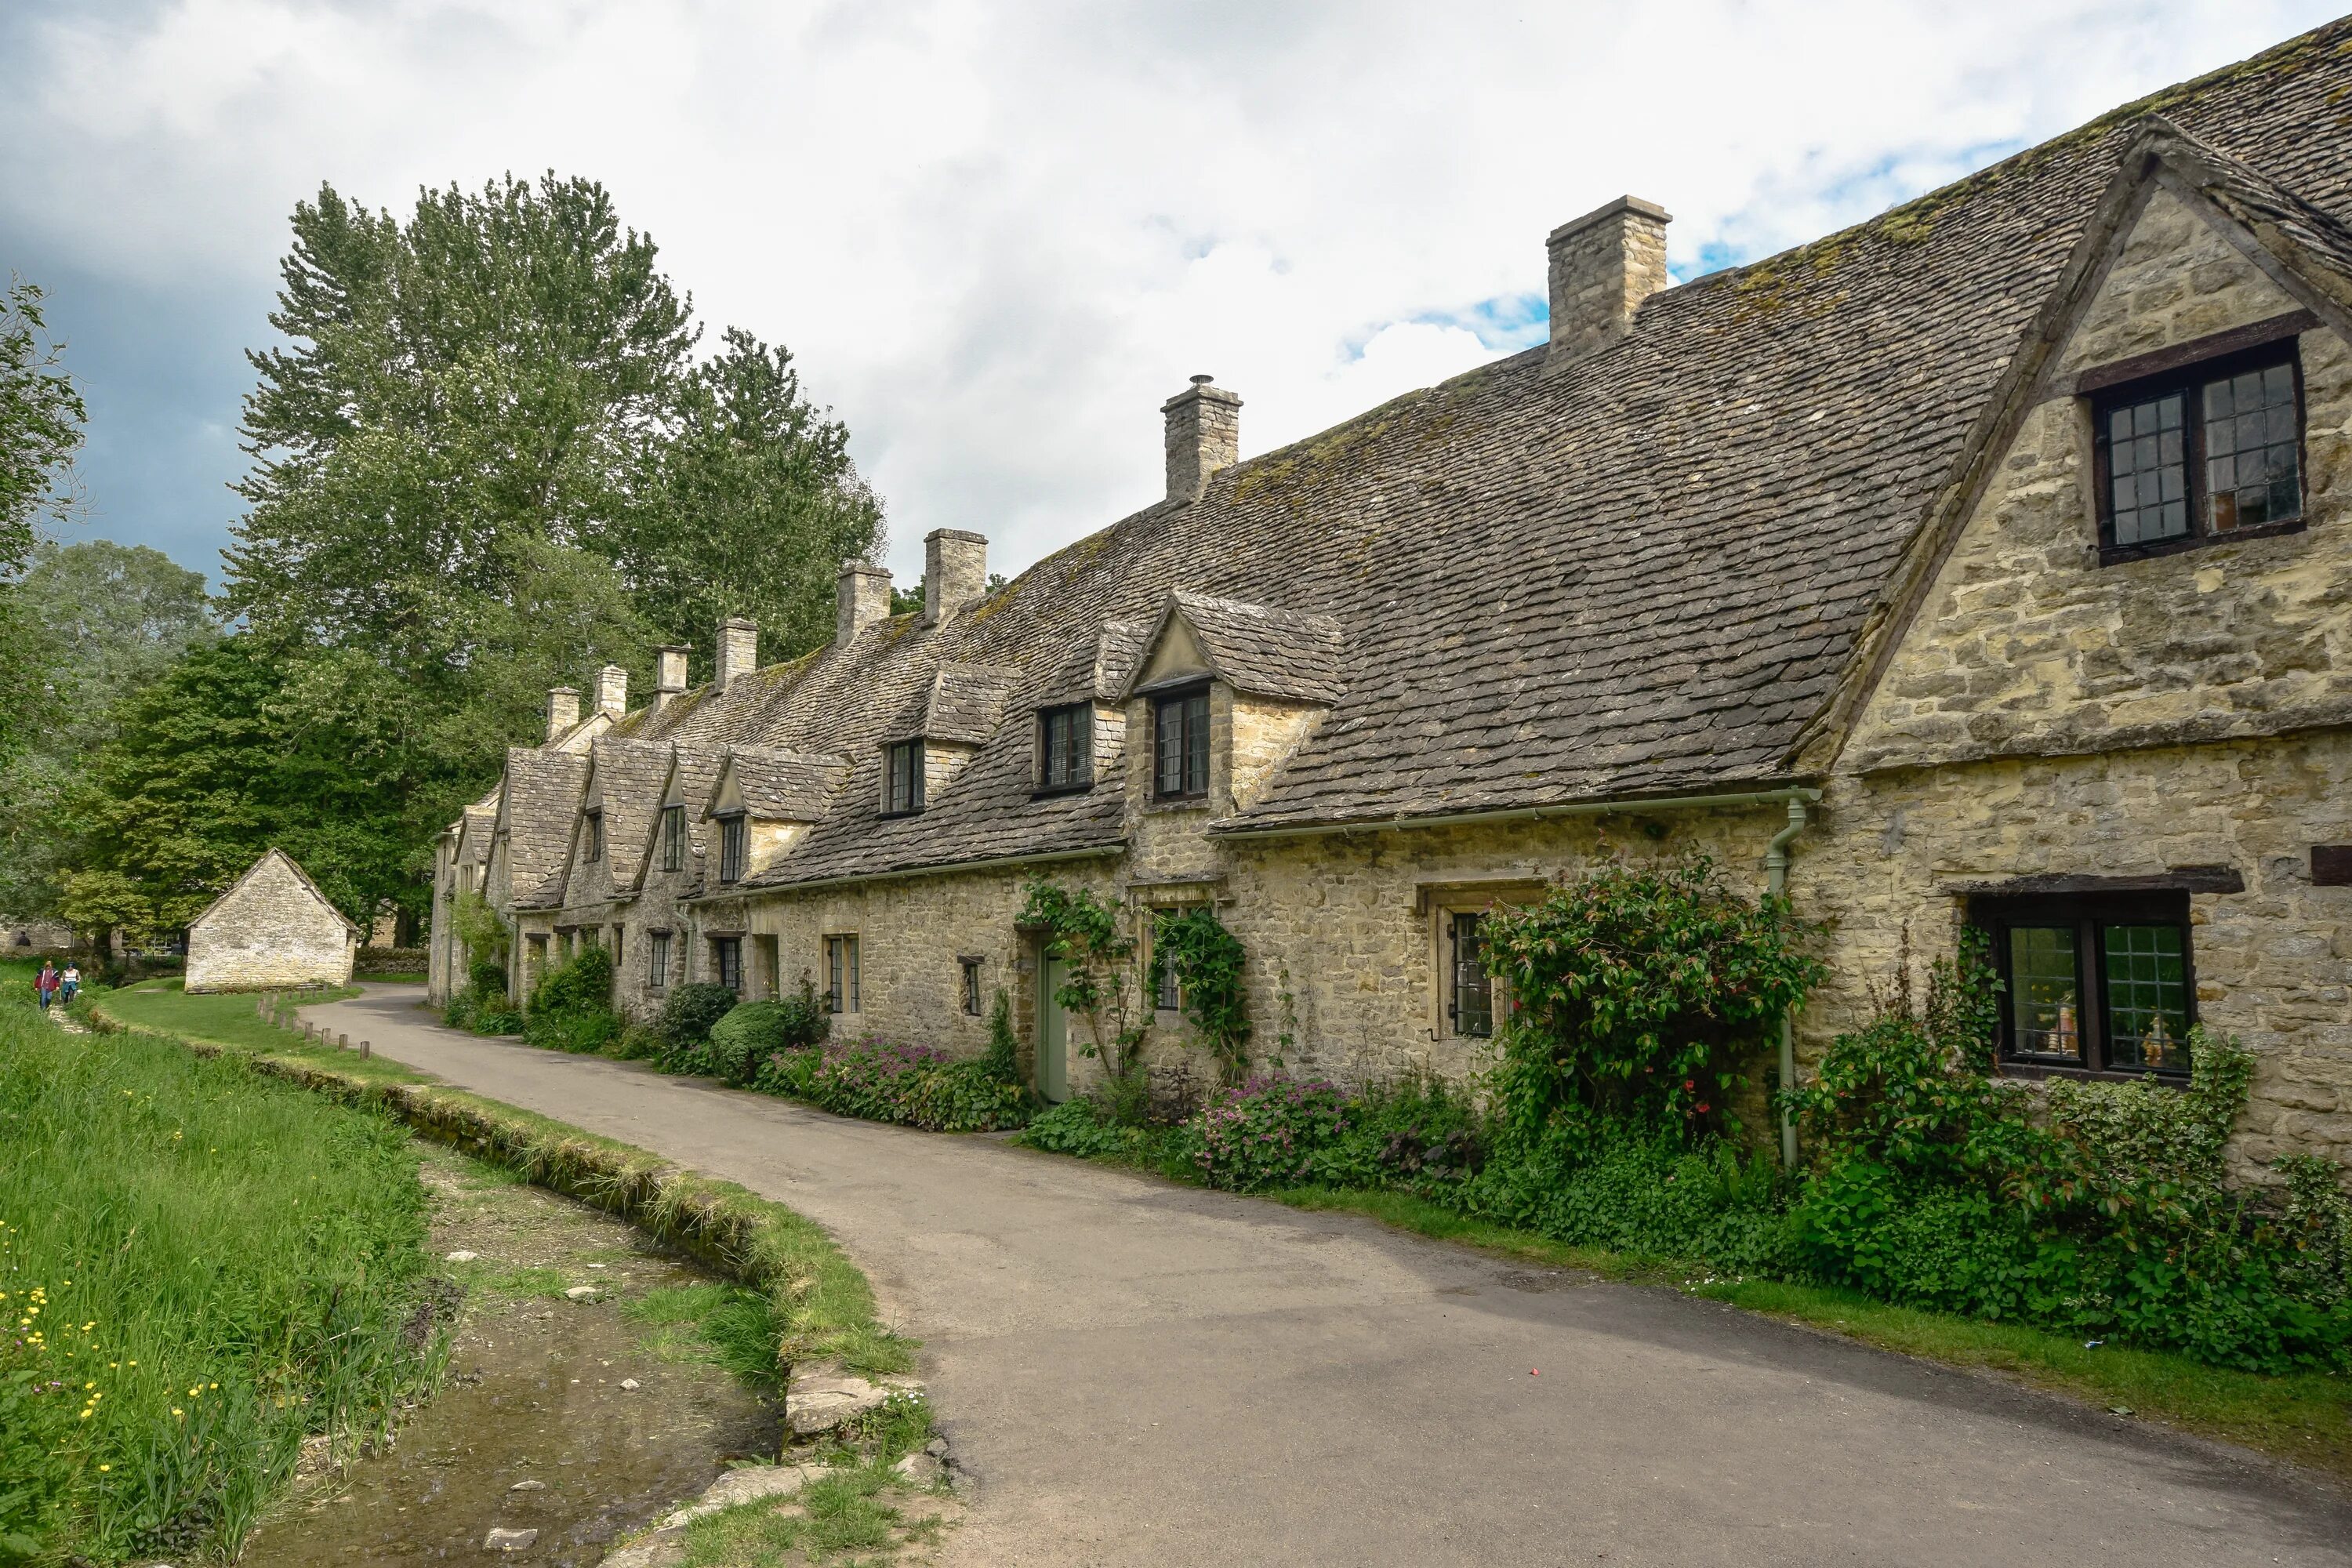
(225, 1019)
(200, 1266)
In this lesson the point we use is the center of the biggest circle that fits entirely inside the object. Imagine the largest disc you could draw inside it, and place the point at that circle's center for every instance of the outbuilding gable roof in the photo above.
(275, 856)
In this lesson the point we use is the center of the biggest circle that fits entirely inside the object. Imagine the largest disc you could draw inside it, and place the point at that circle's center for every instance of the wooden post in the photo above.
(342, 1042)
(363, 1051)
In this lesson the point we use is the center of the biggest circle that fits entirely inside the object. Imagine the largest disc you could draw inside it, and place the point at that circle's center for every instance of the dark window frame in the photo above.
(593, 821)
(1079, 748)
(727, 961)
(734, 846)
(1478, 1024)
(2088, 916)
(970, 987)
(657, 961)
(1190, 706)
(2189, 381)
(907, 801)
(840, 973)
(674, 839)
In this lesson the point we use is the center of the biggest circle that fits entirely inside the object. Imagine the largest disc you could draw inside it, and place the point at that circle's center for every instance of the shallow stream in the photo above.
(533, 1429)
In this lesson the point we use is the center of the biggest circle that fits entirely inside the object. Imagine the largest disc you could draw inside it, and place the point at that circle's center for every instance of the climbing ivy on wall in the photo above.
(1207, 960)
(1087, 934)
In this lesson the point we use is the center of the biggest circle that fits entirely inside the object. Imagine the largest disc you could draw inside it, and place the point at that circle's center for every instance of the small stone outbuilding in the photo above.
(272, 928)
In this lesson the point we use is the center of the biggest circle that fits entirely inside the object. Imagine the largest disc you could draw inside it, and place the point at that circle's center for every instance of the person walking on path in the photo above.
(46, 983)
(70, 983)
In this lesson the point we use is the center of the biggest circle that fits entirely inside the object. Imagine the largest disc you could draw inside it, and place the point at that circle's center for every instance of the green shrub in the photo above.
(584, 981)
(685, 1022)
(487, 976)
(753, 1031)
(1075, 1127)
(635, 1043)
(1638, 993)
(581, 1031)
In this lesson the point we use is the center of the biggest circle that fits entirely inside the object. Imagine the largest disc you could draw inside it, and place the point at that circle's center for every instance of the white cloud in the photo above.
(999, 236)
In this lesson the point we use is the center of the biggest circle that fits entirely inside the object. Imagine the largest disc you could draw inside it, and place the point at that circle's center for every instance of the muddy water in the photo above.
(532, 1428)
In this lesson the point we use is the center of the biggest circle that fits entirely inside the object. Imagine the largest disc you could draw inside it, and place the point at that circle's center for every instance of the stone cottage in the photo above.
(1988, 563)
(272, 930)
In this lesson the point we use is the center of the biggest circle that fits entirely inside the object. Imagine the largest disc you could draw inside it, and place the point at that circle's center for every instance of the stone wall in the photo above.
(2274, 963)
(271, 931)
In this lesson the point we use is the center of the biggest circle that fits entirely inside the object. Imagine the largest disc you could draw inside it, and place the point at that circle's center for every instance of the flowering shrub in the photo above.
(883, 1080)
(1280, 1132)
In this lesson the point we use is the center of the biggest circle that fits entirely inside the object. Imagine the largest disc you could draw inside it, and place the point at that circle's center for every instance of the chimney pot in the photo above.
(1204, 434)
(563, 710)
(955, 571)
(1602, 266)
(739, 651)
(613, 690)
(861, 597)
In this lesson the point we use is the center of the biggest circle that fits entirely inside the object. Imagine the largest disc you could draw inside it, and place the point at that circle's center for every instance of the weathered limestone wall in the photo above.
(2027, 643)
(270, 931)
(2274, 965)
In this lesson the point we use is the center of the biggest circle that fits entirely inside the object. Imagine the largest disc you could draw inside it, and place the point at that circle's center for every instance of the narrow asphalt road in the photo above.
(1136, 1372)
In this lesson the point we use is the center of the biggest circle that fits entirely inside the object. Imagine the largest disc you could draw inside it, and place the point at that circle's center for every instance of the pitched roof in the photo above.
(628, 780)
(1642, 572)
(1261, 651)
(960, 705)
(279, 856)
(778, 785)
(542, 793)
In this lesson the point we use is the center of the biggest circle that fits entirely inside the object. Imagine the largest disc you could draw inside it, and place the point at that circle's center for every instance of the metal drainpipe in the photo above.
(1776, 882)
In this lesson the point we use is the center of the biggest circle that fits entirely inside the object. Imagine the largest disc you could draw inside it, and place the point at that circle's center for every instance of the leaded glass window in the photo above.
(2202, 453)
(734, 844)
(657, 961)
(1180, 745)
(1066, 747)
(1472, 1005)
(2095, 982)
(2149, 455)
(903, 788)
(2252, 440)
(673, 839)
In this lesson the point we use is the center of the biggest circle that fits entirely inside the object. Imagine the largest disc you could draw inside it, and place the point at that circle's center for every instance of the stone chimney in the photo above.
(739, 651)
(669, 675)
(563, 710)
(955, 571)
(613, 690)
(861, 597)
(1204, 434)
(1603, 266)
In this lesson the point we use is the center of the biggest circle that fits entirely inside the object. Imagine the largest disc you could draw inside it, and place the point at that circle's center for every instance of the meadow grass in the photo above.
(819, 1302)
(198, 1268)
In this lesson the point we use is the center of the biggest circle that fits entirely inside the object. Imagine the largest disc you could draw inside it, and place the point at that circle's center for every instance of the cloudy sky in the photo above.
(999, 236)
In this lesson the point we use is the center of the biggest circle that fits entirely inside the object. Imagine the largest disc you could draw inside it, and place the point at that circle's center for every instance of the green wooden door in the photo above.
(1053, 1032)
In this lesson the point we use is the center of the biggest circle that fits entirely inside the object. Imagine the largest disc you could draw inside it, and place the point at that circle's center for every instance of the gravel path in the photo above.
(1139, 1374)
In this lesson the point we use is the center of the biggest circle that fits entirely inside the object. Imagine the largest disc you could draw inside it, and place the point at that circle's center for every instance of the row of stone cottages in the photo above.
(1987, 562)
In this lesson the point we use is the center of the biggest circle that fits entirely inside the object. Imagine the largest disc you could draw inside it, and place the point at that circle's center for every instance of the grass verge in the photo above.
(820, 1304)
(198, 1268)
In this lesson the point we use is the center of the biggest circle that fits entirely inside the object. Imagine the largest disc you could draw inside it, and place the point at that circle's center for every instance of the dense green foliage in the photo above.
(752, 1032)
(211, 1266)
(41, 416)
(572, 1010)
(686, 1020)
(1207, 962)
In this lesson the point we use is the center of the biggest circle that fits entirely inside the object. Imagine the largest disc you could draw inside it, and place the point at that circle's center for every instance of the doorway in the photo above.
(1052, 1031)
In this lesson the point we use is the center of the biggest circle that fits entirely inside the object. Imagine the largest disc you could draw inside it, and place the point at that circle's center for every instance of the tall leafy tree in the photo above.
(41, 419)
(102, 621)
(752, 506)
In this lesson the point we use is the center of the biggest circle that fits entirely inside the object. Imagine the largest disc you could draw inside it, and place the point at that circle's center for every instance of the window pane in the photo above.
(2147, 997)
(1474, 988)
(2252, 465)
(1196, 744)
(2045, 992)
(1169, 997)
(1168, 742)
(2148, 469)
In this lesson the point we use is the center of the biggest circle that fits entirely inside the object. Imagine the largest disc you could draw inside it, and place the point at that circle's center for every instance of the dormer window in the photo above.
(734, 845)
(673, 839)
(594, 835)
(902, 783)
(2201, 453)
(1180, 744)
(1066, 747)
